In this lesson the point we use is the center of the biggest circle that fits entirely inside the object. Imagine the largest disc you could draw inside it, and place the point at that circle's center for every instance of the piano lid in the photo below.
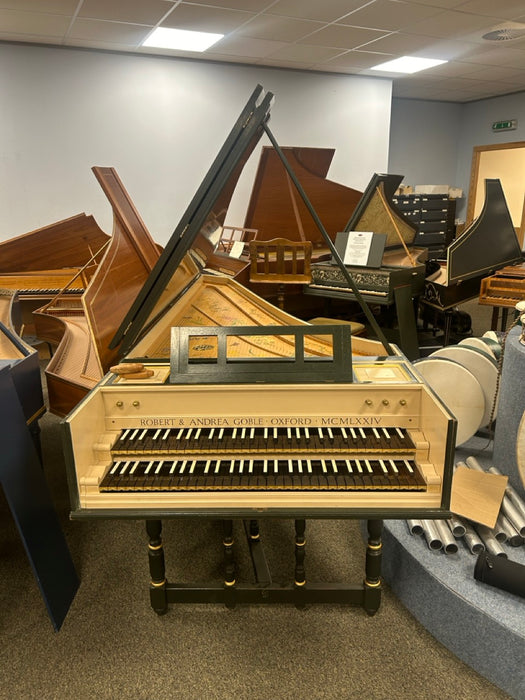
(205, 213)
(276, 207)
(489, 243)
(377, 213)
(65, 244)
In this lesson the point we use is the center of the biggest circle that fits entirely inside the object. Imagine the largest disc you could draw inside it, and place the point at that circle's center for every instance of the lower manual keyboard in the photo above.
(264, 475)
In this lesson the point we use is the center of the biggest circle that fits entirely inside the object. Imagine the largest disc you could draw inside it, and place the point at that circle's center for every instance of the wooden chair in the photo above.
(280, 262)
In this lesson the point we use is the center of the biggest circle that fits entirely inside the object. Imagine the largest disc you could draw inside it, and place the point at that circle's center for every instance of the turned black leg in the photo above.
(300, 547)
(157, 589)
(372, 592)
(229, 563)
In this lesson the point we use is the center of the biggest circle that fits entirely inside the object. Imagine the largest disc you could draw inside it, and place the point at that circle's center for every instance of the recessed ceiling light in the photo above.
(182, 39)
(408, 64)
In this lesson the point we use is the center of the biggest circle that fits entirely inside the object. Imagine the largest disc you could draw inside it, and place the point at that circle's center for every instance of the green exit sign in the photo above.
(506, 125)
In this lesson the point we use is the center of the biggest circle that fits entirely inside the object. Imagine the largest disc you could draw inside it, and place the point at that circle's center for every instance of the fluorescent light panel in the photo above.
(408, 64)
(181, 39)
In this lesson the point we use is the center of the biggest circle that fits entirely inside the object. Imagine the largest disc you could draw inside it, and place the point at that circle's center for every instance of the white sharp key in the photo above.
(192, 466)
(188, 433)
(393, 465)
(143, 434)
(180, 434)
(157, 470)
(334, 466)
(362, 433)
(232, 466)
(300, 466)
(400, 433)
(133, 434)
(323, 465)
(243, 433)
(218, 464)
(183, 466)
(221, 433)
(309, 465)
(383, 466)
(250, 466)
(156, 434)
(124, 434)
(307, 433)
(252, 433)
(115, 467)
(386, 433)
(275, 434)
(345, 434)
(289, 433)
(197, 434)
(298, 433)
(265, 434)
(265, 466)
(234, 434)
(376, 433)
(358, 465)
(241, 466)
(148, 468)
(330, 434)
(290, 466)
(320, 433)
(353, 433)
(349, 466)
(210, 434)
(166, 434)
(275, 466)
(173, 467)
(407, 465)
(369, 468)
(207, 466)
(133, 468)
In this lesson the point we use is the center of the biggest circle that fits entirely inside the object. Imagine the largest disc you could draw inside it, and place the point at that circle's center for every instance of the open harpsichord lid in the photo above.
(206, 210)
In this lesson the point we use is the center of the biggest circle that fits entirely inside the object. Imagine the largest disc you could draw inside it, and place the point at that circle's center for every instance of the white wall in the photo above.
(160, 123)
(432, 142)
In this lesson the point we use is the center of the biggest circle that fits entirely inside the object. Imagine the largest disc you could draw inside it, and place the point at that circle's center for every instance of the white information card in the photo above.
(357, 250)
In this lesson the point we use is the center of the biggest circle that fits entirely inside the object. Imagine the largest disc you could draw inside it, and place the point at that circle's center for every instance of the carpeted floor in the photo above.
(112, 645)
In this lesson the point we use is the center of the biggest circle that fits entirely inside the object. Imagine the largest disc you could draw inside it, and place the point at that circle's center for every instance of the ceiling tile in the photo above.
(23, 23)
(336, 35)
(54, 7)
(322, 10)
(113, 32)
(450, 24)
(509, 9)
(133, 11)
(359, 59)
(268, 26)
(248, 5)
(206, 19)
(245, 47)
(389, 14)
(404, 44)
(302, 52)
